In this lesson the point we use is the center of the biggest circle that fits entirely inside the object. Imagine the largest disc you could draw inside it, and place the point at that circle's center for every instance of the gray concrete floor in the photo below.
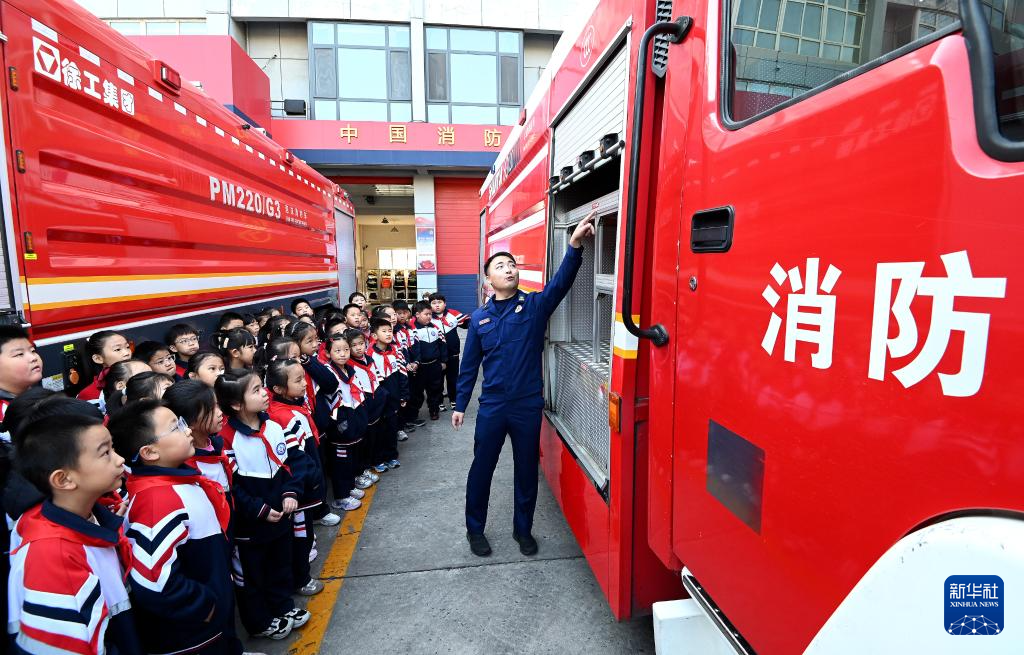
(413, 586)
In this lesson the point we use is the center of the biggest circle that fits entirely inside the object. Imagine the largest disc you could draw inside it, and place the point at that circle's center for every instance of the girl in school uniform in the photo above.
(105, 348)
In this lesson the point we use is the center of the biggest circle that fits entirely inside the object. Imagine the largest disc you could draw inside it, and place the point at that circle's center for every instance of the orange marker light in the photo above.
(614, 411)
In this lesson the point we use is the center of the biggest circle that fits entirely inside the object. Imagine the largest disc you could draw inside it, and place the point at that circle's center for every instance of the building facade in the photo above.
(404, 103)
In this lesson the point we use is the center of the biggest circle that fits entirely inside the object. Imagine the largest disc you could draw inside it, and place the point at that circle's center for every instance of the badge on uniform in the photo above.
(483, 321)
(519, 308)
(280, 449)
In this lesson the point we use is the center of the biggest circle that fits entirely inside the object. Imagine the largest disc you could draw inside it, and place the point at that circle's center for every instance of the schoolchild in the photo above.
(448, 321)
(356, 298)
(237, 347)
(390, 368)
(21, 367)
(252, 324)
(157, 356)
(343, 430)
(301, 307)
(265, 492)
(70, 459)
(430, 352)
(276, 327)
(230, 321)
(264, 315)
(183, 341)
(278, 348)
(287, 383)
(374, 397)
(196, 403)
(405, 337)
(206, 366)
(104, 348)
(353, 314)
(147, 385)
(117, 381)
(177, 524)
(317, 375)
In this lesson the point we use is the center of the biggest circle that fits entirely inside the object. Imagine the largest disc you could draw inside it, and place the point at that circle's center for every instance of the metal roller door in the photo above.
(346, 232)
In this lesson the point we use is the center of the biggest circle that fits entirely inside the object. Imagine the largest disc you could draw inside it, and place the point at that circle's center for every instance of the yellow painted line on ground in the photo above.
(321, 606)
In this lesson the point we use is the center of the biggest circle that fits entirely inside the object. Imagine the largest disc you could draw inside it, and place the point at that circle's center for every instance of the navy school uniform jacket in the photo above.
(92, 559)
(375, 397)
(448, 323)
(262, 477)
(300, 431)
(181, 558)
(348, 417)
(389, 365)
(430, 345)
(508, 339)
(317, 376)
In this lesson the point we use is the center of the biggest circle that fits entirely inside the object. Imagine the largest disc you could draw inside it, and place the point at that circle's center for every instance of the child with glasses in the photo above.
(183, 341)
(157, 356)
(176, 523)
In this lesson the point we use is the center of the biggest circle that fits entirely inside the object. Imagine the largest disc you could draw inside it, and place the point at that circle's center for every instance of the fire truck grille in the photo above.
(659, 51)
(581, 403)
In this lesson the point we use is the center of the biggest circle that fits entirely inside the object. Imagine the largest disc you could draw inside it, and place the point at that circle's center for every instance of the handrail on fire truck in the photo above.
(676, 31)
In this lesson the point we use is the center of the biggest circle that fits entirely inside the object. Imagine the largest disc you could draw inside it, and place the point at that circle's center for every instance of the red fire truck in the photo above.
(811, 208)
(132, 200)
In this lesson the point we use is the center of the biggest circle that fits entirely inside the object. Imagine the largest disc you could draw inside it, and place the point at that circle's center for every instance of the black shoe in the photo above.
(409, 427)
(527, 544)
(417, 422)
(479, 544)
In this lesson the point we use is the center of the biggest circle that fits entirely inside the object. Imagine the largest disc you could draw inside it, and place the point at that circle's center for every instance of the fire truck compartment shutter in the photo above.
(599, 111)
(346, 254)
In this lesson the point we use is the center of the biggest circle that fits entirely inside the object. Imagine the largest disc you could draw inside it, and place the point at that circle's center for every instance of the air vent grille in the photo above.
(659, 54)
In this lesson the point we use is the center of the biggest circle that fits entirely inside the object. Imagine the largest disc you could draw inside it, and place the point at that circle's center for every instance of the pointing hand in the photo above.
(583, 230)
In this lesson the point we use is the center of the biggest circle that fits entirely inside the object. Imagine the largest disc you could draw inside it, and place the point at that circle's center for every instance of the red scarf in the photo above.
(33, 526)
(139, 483)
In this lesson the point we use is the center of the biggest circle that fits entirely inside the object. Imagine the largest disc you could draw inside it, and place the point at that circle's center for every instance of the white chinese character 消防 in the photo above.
(72, 75)
(110, 94)
(959, 282)
(127, 102)
(816, 326)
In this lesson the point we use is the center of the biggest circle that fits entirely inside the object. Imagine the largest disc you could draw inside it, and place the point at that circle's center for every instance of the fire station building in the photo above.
(404, 103)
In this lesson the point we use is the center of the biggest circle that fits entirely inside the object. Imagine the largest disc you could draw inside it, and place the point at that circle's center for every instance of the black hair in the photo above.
(133, 428)
(119, 372)
(438, 296)
(248, 318)
(230, 389)
(277, 373)
(420, 306)
(400, 305)
(145, 350)
(377, 323)
(236, 339)
(487, 264)
(299, 329)
(144, 385)
(379, 310)
(329, 325)
(297, 302)
(352, 334)
(23, 407)
(344, 310)
(178, 331)
(277, 326)
(191, 400)
(355, 294)
(266, 311)
(94, 344)
(273, 351)
(10, 333)
(226, 318)
(52, 443)
(200, 357)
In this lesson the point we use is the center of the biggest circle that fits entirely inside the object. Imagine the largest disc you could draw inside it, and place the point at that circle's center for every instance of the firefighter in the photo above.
(506, 335)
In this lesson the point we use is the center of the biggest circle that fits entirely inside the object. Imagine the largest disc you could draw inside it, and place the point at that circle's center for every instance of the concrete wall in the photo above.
(216, 12)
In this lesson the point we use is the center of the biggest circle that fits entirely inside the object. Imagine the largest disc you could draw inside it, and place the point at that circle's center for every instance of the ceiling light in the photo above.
(384, 221)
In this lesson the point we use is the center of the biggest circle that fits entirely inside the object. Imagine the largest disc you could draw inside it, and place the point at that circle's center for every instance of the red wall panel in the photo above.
(457, 216)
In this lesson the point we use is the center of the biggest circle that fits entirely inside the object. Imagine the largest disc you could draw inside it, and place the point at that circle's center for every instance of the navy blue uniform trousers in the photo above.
(519, 420)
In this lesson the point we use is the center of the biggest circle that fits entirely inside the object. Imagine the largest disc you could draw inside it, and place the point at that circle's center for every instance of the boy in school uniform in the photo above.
(448, 321)
(405, 337)
(390, 366)
(430, 353)
(177, 524)
(375, 398)
(71, 460)
(21, 367)
(183, 342)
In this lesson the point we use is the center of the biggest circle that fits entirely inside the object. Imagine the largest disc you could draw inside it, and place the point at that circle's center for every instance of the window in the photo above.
(785, 48)
(1006, 21)
(402, 259)
(360, 72)
(159, 27)
(474, 76)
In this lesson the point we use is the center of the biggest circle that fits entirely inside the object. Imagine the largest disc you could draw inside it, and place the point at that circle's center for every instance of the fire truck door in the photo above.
(11, 301)
(346, 234)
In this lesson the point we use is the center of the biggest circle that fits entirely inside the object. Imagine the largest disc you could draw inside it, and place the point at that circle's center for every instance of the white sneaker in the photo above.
(402, 436)
(358, 494)
(279, 629)
(373, 476)
(328, 519)
(349, 504)
(363, 482)
(312, 588)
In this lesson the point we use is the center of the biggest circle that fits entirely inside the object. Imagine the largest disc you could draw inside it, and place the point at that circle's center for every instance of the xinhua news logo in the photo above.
(974, 604)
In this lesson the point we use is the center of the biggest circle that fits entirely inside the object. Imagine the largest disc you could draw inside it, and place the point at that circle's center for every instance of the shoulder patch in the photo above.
(484, 321)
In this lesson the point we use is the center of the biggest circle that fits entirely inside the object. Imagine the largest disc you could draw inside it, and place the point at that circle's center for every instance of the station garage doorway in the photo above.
(385, 240)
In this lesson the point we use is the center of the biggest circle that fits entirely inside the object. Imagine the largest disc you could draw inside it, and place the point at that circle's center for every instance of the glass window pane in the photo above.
(809, 48)
(437, 38)
(321, 32)
(398, 36)
(509, 80)
(127, 26)
(743, 37)
(748, 13)
(848, 55)
(474, 78)
(161, 27)
(361, 73)
(835, 26)
(192, 27)
(475, 115)
(508, 42)
(354, 34)
(789, 44)
(769, 19)
(384, 258)
(325, 110)
(830, 52)
(401, 112)
(483, 40)
(362, 111)
(812, 22)
(793, 17)
(401, 82)
(437, 76)
(437, 114)
(853, 24)
(508, 115)
(325, 82)
(765, 40)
